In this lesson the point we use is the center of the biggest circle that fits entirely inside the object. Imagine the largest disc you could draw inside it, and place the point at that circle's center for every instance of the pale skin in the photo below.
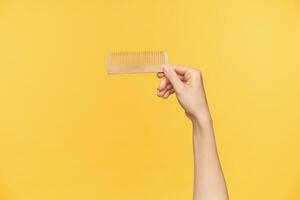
(187, 84)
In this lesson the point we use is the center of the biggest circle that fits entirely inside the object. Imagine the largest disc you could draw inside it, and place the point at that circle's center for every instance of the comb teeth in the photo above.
(136, 62)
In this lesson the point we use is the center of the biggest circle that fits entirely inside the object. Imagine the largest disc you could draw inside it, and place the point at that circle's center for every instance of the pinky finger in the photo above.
(166, 95)
(171, 91)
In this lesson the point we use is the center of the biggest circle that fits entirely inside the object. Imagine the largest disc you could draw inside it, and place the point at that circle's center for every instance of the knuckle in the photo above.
(198, 74)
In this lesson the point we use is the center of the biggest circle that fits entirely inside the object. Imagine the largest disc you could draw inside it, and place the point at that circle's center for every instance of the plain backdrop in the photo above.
(70, 131)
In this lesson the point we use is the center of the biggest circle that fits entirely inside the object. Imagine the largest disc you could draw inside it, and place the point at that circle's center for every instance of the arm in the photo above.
(209, 182)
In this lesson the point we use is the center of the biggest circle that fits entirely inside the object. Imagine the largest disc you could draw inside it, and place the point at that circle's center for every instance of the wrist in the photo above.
(203, 118)
(202, 121)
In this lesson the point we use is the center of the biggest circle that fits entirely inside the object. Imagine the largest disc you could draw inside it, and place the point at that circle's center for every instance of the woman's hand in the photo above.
(188, 85)
(209, 182)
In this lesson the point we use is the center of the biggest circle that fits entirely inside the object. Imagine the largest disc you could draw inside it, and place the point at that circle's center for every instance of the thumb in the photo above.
(173, 78)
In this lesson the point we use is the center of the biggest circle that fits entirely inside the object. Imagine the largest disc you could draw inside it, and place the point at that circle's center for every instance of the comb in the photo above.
(136, 62)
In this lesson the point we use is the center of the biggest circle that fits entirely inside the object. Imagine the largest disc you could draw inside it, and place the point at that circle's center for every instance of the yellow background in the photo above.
(70, 131)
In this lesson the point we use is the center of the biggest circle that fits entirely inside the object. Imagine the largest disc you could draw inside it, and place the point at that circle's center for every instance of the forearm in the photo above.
(209, 183)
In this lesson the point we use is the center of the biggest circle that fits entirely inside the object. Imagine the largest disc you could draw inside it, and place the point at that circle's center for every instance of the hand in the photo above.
(188, 85)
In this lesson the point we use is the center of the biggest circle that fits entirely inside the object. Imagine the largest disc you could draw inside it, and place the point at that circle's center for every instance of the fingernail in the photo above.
(166, 69)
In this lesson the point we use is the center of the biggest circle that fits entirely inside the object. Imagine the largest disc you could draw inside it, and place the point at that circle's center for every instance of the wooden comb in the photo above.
(136, 62)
